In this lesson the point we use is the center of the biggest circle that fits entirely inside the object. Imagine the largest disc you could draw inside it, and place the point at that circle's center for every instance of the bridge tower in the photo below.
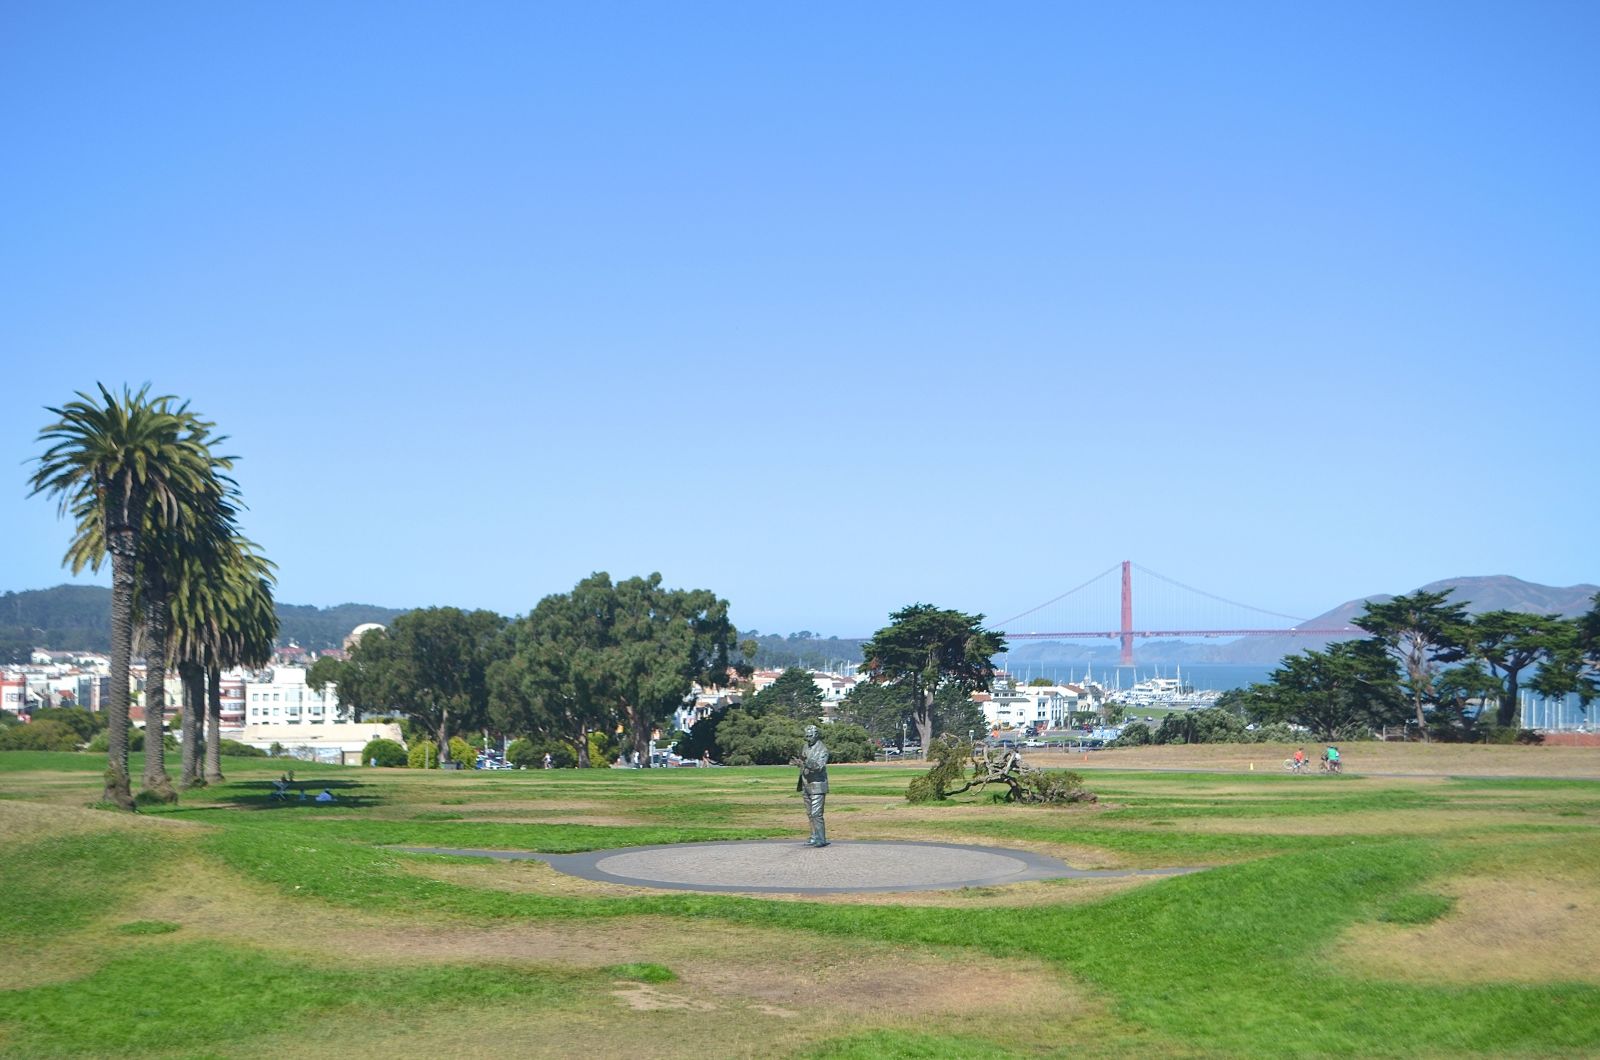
(1127, 613)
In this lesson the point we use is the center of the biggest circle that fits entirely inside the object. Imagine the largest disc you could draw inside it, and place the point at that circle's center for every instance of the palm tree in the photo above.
(217, 615)
(198, 609)
(177, 564)
(250, 626)
(119, 464)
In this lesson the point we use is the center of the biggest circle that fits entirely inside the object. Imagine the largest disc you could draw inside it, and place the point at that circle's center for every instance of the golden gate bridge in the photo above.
(1079, 615)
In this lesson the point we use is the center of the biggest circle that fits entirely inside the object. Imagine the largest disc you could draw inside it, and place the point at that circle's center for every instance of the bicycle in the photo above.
(1331, 767)
(1295, 765)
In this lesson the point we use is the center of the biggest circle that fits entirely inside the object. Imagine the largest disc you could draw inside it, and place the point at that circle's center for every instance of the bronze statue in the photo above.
(813, 783)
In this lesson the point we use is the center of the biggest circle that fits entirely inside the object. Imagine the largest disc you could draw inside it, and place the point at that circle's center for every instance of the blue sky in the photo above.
(827, 307)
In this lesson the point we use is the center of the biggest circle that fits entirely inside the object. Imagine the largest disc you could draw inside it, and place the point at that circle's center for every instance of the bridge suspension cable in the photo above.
(1063, 596)
(1209, 596)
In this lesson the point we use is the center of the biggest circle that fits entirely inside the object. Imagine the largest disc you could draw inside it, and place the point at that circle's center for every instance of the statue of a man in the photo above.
(813, 783)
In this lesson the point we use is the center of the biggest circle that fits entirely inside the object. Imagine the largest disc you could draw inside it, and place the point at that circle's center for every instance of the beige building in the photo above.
(336, 744)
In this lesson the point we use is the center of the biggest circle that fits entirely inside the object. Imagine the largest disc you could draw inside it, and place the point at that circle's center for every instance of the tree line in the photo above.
(607, 665)
(1426, 665)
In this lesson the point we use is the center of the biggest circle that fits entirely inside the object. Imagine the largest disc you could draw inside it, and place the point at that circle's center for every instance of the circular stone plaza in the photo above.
(782, 866)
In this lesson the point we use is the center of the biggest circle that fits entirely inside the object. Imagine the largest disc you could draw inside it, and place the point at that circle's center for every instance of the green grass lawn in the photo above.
(1353, 916)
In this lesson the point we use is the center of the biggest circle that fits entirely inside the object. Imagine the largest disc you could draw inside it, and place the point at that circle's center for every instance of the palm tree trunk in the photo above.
(214, 726)
(157, 783)
(194, 720)
(118, 790)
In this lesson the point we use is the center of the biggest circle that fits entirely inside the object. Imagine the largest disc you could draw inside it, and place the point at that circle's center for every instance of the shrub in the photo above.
(235, 749)
(1277, 732)
(847, 742)
(1056, 786)
(1210, 725)
(39, 736)
(102, 741)
(383, 752)
(463, 753)
(746, 740)
(424, 754)
(1134, 734)
(529, 754)
(83, 722)
(603, 747)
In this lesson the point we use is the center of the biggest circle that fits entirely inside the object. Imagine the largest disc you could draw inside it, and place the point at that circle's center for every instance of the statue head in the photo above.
(812, 734)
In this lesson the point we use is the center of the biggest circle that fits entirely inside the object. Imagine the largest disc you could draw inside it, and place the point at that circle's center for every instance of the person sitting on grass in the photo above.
(325, 796)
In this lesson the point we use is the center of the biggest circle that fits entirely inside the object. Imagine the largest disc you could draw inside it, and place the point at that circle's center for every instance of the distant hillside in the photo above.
(1499, 592)
(78, 618)
(804, 649)
(326, 627)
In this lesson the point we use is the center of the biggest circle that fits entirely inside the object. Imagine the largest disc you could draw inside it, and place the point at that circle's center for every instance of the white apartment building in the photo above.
(1046, 707)
(278, 707)
(280, 696)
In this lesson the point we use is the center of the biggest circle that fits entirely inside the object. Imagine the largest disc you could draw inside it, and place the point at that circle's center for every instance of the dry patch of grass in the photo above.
(745, 996)
(752, 991)
(1526, 929)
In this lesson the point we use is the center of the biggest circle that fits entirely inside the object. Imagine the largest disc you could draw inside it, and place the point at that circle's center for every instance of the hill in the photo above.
(1499, 592)
(78, 618)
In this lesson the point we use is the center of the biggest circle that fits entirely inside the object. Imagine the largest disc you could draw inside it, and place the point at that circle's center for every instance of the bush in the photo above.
(1134, 734)
(383, 752)
(424, 754)
(463, 753)
(746, 740)
(1056, 786)
(848, 743)
(39, 736)
(83, 722)
(235, 749)
(1277, 732)
(102, 741)
(603, 747)
(1210, 725)
(529, 754)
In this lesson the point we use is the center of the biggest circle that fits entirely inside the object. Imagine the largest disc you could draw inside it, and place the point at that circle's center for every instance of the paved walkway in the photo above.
(786, 866)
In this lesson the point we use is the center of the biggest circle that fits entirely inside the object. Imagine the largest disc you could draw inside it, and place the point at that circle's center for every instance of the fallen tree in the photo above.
(975, 767)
